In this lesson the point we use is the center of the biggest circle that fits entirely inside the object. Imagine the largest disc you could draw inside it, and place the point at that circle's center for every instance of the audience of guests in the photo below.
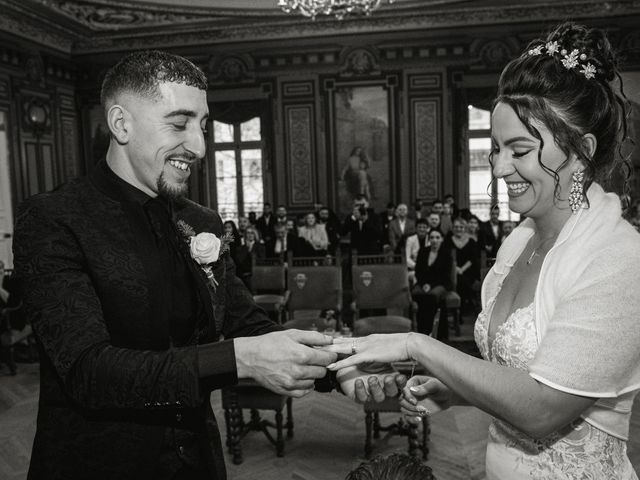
(400, 228)
(313, 239)
(473, 228)
(433, 272)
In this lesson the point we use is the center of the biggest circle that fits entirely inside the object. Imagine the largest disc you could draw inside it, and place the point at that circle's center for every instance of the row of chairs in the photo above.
(286, 289)
(315, 283)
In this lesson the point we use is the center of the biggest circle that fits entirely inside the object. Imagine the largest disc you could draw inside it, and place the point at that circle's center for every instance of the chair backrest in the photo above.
(380, 281)
(315, 283)
(268, 274)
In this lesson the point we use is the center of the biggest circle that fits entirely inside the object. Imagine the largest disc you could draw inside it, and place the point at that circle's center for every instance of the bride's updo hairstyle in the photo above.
(564, 82)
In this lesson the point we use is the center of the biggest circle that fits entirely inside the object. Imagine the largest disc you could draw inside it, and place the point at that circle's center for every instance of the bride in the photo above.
(558, 331)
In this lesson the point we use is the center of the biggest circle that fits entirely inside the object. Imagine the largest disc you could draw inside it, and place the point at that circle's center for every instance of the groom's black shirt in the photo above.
(163, 237)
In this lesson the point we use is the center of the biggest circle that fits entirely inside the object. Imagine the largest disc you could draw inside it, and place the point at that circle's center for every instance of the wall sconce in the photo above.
(37, 116)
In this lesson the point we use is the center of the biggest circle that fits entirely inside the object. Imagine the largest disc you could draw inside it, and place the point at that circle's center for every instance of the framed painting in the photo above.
(362, 160)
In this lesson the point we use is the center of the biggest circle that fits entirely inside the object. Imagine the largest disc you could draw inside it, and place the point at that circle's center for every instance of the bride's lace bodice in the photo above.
(578, 451)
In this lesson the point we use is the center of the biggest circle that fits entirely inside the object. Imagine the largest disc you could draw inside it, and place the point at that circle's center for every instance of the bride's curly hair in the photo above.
(539, 87)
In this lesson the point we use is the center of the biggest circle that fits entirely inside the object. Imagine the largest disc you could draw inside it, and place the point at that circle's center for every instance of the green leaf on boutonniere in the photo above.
(185, 229)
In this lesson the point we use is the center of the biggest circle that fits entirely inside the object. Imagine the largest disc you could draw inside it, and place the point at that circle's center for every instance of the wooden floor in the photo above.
(328, 441)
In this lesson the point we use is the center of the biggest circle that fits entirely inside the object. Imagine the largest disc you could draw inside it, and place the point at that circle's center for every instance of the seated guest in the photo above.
(283, 243)
(396, 466)
(416, 242)
(253, 218)
(467, 260)
(385, 219)
(251, 247)
(400, 228)
(491, 232)
(449, 200)
(281, 214)
(266, 223)
(433, 278)
(312, 238)
(332, 226)
(363, 228)
(434, 221)
(243, 224)
(290, 225)
(473, 228)
(229, 227)
(446, 219)
(437, 206)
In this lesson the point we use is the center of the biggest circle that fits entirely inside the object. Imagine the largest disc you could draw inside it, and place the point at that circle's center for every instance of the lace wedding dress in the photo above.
(578, 451)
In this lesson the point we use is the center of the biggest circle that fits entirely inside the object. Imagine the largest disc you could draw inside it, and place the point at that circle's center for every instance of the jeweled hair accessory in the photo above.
(570, 59)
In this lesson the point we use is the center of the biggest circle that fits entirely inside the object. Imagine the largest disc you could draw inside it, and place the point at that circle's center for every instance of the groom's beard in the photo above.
(172, 190)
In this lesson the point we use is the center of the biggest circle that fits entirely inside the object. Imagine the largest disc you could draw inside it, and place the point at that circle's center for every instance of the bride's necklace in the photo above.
(535, 253)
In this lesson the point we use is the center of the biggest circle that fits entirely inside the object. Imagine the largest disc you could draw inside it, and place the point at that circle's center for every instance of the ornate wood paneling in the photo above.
(426, 121)
(299, 154)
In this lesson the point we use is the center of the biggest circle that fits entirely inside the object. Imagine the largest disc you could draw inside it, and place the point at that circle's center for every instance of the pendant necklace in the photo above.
(535, 253)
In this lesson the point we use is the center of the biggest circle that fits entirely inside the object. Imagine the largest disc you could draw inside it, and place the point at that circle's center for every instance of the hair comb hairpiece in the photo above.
(570, 60)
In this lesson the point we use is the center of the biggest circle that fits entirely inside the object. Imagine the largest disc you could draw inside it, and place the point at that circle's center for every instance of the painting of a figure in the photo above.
(362, 146)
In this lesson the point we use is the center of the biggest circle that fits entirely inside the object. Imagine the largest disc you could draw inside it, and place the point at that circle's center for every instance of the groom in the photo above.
(138, 314)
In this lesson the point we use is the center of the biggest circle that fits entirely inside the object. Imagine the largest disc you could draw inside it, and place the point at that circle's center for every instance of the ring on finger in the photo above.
(354, 345)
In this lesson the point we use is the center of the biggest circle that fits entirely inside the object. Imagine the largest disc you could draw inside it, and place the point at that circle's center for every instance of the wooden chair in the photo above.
(382, 282)
(248, 394)
(314, 284)
(418, 444)
(269, 284)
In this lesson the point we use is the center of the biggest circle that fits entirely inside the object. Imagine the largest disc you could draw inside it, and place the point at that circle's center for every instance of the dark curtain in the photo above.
(239, 111)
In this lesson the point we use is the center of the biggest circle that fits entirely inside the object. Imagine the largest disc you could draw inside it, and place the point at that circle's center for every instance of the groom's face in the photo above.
(167, 138)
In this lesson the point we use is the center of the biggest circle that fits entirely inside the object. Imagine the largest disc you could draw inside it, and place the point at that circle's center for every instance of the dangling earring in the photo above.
(576, 197)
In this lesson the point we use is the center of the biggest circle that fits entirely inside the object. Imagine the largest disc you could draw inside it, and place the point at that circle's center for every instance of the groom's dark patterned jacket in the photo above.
(115, 390)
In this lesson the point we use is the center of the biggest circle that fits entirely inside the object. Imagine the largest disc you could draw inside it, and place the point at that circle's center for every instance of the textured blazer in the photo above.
(114, 389)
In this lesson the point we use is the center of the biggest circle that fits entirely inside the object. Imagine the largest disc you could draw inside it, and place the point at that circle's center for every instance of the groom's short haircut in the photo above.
(396, 466)
(141, 72)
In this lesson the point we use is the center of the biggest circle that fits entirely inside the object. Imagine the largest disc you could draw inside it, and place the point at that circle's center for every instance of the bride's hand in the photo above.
(384, 348)
(424, 395)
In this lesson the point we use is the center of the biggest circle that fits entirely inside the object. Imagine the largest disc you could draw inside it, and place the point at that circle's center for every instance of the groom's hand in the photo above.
(364, 386)
(284, 362)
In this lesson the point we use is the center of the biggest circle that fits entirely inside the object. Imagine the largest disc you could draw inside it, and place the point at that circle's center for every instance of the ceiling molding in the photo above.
(95, 26)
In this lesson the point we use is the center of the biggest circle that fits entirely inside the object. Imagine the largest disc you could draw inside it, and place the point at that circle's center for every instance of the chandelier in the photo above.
(338, 8)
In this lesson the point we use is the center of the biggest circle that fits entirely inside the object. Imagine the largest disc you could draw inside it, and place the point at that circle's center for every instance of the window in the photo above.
(238, 172)
(482, 191)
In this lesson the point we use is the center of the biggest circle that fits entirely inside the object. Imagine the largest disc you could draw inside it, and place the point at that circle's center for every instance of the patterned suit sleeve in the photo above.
(66, 314)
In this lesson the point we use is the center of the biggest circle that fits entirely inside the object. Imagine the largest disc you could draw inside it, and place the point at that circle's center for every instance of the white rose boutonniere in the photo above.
(205, 248)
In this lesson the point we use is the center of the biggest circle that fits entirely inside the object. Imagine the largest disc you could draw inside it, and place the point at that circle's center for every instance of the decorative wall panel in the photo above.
(425, 115)
(419, 82)
(299, 154)
(297, 89)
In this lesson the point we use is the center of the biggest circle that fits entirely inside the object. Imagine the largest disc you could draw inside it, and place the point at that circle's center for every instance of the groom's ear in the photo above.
(118, 120)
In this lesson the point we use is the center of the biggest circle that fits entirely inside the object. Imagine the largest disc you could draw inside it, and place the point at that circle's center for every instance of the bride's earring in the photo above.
(576, 196)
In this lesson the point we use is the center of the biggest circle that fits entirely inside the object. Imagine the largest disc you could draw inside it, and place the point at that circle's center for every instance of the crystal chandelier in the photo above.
(339, 8)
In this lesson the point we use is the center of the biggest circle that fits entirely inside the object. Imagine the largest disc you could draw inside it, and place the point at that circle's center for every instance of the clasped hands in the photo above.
(288, 362)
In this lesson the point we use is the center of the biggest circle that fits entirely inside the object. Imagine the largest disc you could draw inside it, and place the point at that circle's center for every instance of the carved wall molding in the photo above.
(426, 145)
(299, 154)
(231, 69)
(360, 61)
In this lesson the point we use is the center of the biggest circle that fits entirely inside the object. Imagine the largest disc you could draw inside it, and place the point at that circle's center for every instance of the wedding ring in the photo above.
(423, 412)
(353, 346)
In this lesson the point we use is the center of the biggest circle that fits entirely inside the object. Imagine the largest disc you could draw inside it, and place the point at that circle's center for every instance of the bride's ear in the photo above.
(590, 144)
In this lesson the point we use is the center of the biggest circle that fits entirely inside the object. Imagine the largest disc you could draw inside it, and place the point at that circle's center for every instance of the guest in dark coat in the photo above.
(491, 232)
(434, 268)
(251, 248)
(467, 261)
(266, 224)
(283, 243)
(364, 230)
(128, 297)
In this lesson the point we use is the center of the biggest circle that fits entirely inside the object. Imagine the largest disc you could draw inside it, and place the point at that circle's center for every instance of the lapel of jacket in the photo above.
(206, 314)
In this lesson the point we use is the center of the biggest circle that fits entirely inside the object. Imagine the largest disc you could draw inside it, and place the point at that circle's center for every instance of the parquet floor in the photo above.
(328, 441)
